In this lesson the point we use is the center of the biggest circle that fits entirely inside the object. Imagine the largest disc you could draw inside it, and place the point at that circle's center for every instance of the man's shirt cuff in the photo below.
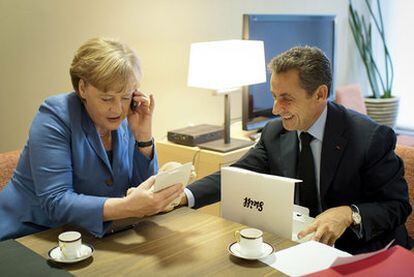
(190, 197)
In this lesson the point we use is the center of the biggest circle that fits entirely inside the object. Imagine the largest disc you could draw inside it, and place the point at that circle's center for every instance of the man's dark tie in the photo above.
(306, 171)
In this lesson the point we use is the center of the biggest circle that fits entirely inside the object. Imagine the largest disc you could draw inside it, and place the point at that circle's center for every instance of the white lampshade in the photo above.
(226, 65)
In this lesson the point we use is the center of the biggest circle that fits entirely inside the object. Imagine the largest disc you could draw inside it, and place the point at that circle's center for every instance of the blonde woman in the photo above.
(86, 149)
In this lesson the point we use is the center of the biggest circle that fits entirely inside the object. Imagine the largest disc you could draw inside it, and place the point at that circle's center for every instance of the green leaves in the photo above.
(362, 33)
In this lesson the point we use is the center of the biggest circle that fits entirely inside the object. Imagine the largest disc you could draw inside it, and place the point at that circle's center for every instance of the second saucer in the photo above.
(234, 249)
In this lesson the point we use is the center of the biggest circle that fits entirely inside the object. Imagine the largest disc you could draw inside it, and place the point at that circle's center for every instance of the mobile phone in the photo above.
(133, 105)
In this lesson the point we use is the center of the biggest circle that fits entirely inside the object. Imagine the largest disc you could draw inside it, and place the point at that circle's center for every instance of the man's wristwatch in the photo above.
(145, 143)
(356, 216)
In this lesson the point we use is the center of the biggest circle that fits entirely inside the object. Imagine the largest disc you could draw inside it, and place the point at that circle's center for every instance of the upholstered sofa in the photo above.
(8, 162)
(351, 97)
(406, 153)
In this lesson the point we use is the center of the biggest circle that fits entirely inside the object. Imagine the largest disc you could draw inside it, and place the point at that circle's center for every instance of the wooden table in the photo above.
(182, 242)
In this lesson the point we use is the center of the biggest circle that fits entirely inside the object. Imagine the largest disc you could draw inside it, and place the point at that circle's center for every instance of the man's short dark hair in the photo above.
(312, 64)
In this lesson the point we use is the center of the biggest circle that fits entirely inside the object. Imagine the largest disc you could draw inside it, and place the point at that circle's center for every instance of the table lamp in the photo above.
(225, 66)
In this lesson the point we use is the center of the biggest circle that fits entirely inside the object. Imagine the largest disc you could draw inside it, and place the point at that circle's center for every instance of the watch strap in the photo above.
(357, 228)
(145, 143)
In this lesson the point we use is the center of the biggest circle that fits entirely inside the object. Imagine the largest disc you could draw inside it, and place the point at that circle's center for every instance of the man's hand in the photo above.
(175, 203)
(329, 225)
(178, 202)
(183, 201)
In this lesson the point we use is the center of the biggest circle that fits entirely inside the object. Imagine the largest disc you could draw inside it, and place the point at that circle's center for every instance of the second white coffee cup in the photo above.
(250, 241)
(70, 244)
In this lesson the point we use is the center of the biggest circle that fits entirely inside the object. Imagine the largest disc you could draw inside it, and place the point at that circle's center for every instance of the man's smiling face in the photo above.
(293, 104)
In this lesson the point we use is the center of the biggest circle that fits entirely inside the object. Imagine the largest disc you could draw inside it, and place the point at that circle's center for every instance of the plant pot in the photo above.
(383, 110)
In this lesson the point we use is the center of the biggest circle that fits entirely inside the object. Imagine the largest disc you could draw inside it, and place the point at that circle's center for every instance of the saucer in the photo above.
(234, 249)
(56, 255)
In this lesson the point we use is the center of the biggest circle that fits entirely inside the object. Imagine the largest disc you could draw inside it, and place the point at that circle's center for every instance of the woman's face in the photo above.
(106, 109)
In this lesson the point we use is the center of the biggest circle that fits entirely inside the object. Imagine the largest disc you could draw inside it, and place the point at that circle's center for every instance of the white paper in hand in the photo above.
(179, 175)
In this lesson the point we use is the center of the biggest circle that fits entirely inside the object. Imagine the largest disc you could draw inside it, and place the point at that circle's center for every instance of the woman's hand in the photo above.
(140, 117)
(142, 201)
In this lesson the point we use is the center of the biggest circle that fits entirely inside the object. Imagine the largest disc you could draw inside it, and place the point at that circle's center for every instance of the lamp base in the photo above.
(220, 146)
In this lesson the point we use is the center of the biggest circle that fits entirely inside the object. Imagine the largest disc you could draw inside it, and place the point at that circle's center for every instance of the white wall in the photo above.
(400, 41)
(38, 40)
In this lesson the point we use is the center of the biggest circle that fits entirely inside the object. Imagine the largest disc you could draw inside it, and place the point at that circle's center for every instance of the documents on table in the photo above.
(312, 256)
(347, 260)
(394, 261)
(304, 258)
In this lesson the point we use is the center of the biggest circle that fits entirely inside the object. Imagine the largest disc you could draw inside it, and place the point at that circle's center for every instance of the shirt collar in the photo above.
(318, 128)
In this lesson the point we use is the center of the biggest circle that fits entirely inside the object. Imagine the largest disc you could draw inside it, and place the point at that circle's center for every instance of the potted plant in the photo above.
(381, 105)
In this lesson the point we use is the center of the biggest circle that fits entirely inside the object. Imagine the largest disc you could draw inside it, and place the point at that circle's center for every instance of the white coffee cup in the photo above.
(70, 244)
(250, 241)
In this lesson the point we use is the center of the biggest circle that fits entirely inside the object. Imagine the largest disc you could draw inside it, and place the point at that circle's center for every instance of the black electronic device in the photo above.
(194, 135)
(133, 105)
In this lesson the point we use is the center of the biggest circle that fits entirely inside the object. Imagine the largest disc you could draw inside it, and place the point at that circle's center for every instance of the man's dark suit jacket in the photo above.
(358, 166)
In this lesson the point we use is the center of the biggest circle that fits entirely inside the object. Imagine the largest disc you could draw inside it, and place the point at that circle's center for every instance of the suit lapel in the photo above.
(288, 149)
(94, 139)
(333, 146)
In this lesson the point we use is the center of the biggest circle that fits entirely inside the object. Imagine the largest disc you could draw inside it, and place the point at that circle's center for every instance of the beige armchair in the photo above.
(350, 96)
(8, 162)
(407, 155)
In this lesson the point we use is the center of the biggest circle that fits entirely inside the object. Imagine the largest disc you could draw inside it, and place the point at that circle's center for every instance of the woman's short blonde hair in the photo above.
(105, 64)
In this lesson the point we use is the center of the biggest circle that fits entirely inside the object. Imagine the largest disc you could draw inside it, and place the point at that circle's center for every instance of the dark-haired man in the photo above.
(352, 179)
